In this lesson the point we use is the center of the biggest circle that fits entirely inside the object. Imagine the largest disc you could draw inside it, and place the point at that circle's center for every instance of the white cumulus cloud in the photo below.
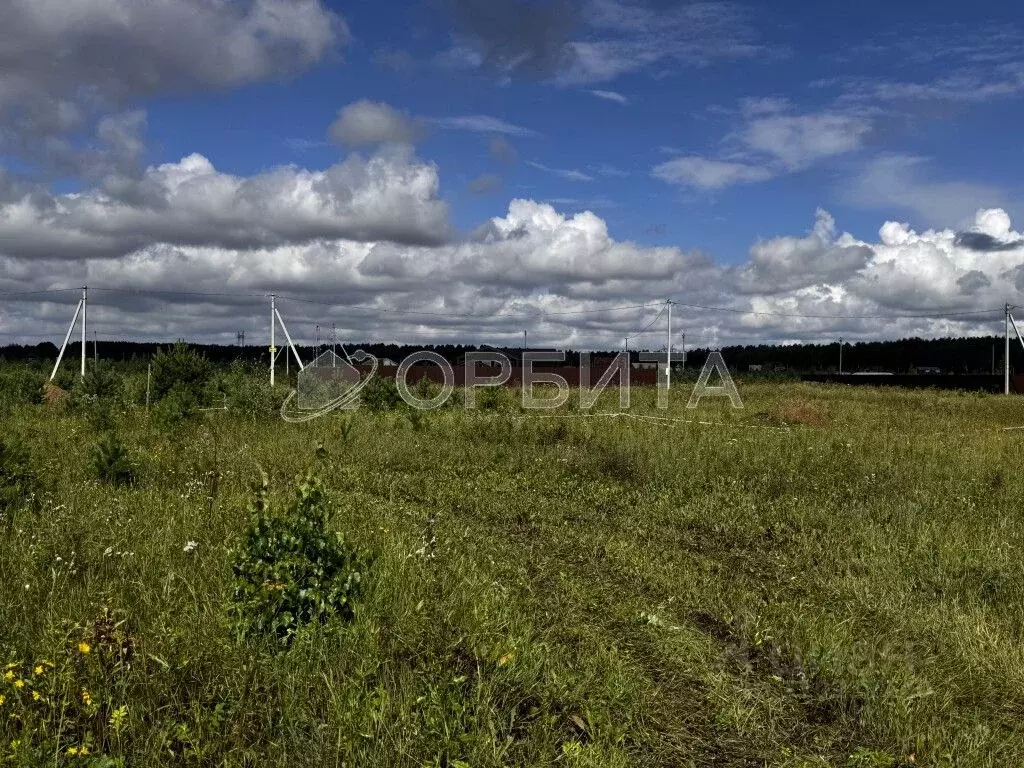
(389, 196)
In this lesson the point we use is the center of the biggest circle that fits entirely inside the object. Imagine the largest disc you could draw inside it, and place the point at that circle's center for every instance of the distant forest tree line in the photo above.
(981, 354)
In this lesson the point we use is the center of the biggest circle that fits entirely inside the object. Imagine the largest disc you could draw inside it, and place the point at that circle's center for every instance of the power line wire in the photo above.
(156, 292)
(37, 293)
(648, 326)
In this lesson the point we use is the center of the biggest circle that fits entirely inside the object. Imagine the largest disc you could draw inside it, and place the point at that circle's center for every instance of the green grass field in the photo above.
(828, 577)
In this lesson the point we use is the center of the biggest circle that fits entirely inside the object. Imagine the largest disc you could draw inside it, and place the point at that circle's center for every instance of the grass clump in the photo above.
(17, 478)
(290, 570)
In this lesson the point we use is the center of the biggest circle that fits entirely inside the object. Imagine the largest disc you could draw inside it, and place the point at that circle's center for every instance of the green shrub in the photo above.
(101, 382)
(381, 395)
(418, 419)
(176, 406)
(181, 372)
(96, 395)
(110, 462)
(425, 389)
(17, 478)
(133, 389)
(247, 392)
(501, 399)
(289, 571)
(21, 384)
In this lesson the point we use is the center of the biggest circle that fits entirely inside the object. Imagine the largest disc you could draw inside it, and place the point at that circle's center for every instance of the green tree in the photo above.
(180, 379)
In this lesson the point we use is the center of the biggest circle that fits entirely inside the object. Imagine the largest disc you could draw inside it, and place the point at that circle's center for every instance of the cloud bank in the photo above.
(367, 245)
(69, 65)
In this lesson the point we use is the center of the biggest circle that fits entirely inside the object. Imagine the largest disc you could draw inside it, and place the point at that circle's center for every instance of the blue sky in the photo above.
(795, 162)
(820, 58)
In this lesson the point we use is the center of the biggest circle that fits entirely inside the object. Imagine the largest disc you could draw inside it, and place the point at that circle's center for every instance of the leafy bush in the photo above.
(289, 571)
(111, 463)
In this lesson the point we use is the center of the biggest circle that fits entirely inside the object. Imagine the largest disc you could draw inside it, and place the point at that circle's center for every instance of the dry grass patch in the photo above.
(800, 411)
(54, 396)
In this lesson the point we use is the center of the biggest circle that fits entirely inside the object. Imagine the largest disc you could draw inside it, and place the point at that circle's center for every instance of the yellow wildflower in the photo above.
(86, 698)
(19, 683)
(8, 675)
(39, 669)
(36, 696)
(72, 751)
(84, 647)
(2, 699)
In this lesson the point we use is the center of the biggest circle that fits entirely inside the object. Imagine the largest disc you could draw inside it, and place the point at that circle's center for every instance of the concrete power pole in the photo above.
(1006, 351)
(85, 301)
(273, 349)
(668, 350)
